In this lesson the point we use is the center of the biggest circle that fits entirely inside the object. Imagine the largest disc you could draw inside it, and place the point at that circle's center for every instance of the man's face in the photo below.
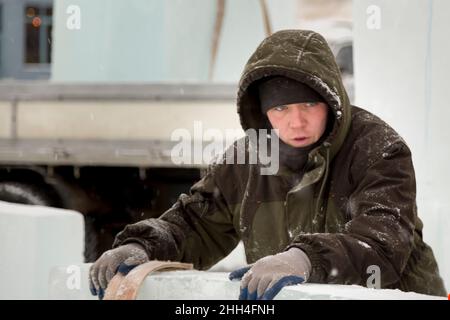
(299, 124)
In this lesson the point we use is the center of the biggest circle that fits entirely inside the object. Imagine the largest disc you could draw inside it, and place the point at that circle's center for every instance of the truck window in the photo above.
(38, 33)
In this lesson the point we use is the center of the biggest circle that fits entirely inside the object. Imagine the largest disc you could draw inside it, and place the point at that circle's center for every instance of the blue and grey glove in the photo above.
(121, 259)
(267, 276)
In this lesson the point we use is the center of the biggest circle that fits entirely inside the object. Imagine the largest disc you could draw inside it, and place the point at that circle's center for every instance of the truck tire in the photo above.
(26, 193)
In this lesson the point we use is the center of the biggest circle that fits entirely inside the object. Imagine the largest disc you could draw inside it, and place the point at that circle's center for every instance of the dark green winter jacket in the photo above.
(355, 206)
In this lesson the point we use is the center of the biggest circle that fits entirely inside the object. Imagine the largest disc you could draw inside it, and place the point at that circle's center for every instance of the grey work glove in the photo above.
(267, 276)
(121, 259)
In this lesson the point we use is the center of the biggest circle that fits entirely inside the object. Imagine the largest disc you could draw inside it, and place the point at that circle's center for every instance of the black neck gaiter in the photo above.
(294, 158)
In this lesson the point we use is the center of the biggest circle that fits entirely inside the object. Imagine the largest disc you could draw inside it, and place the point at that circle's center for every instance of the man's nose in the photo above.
(297, 118)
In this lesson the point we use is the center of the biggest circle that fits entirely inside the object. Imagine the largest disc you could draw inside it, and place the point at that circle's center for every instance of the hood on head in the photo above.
(301, 55)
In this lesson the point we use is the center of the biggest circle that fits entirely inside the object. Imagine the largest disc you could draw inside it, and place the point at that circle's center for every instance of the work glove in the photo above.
(121, 259)
(267, 276)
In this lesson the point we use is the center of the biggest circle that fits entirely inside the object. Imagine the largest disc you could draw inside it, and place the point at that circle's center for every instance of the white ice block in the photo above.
(235, 260)
(401, 74)
(33, 240)
(71, 282)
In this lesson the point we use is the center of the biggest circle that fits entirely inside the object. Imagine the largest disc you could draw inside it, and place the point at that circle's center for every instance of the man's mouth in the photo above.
(300, 139)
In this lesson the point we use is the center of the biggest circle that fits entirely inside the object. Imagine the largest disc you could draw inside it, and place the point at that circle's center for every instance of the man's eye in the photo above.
(311, 104)
(280, 108)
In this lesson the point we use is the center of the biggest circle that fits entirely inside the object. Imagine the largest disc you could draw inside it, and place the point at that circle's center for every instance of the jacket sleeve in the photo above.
(380, 231)
(197, 229)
